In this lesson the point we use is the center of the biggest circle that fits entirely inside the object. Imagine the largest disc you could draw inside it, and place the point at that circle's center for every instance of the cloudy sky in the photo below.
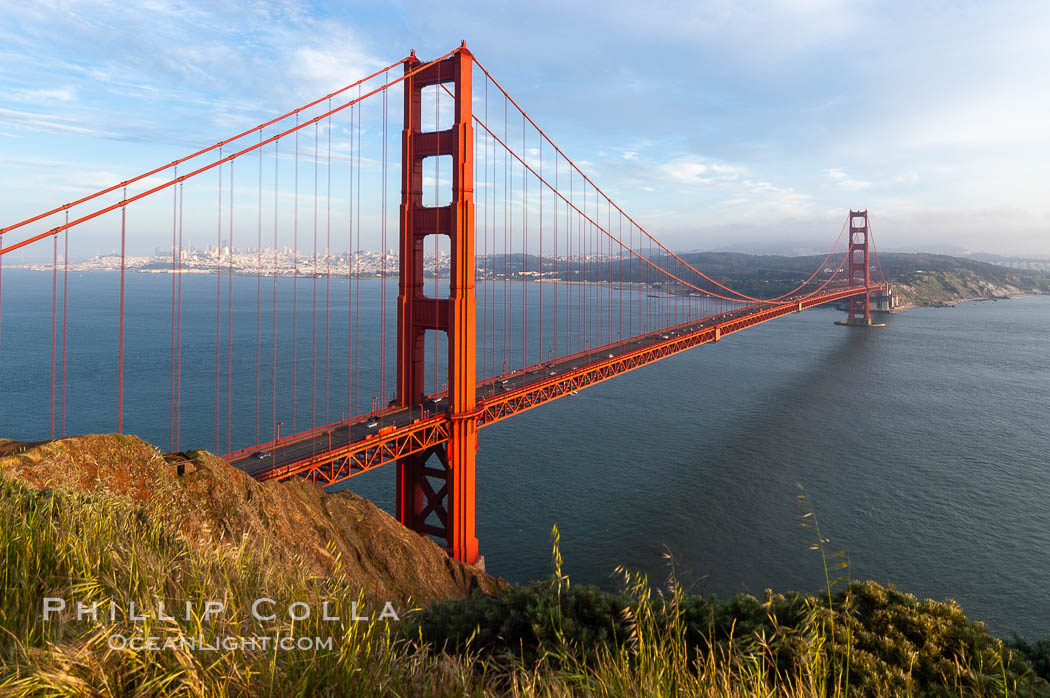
(719, 125)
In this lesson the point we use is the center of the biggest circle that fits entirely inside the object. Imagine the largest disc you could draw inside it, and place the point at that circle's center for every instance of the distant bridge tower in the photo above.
(438, 499)
(859, 270)
(859, 267)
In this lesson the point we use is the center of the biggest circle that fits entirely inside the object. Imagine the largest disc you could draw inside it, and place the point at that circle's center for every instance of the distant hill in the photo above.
(929, 279)
(918, 278)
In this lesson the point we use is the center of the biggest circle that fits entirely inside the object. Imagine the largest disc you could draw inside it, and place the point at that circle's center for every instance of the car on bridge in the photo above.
(434, 404)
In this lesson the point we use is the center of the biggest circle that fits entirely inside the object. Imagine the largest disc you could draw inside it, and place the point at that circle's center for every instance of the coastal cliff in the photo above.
(213, 505)
(938, 280)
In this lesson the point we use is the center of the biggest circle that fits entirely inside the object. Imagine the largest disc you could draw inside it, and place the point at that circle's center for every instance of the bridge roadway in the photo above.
(340, 450)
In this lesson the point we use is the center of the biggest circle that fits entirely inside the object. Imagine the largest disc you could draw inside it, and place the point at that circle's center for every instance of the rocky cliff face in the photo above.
(942, 287)
(213, 504)
(929, 279)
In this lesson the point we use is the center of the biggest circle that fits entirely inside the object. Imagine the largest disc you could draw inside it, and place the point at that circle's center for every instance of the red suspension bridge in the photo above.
(520, 281)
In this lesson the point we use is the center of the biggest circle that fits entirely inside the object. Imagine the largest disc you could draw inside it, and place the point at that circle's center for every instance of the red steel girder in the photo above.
(329, 467)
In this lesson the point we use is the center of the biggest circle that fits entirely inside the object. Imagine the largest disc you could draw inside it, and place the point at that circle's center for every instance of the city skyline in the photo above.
(264, 261)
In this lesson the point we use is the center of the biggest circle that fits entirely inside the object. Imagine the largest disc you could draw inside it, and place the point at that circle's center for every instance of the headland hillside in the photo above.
(918, 279)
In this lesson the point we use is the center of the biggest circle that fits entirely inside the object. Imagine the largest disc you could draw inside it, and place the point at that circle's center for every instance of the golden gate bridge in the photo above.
(520, 281)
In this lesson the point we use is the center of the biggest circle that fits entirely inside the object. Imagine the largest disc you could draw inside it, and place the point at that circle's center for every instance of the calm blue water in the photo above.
(923, 446)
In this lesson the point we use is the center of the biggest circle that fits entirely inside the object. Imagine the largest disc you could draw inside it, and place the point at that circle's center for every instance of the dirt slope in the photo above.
(213, 503)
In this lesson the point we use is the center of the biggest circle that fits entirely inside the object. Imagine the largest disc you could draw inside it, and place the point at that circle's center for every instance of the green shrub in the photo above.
(525, 619)
(1037, 653)
(874, 639)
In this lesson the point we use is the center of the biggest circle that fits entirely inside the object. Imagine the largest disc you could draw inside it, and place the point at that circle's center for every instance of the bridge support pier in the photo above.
(859, 271)
(437, 498)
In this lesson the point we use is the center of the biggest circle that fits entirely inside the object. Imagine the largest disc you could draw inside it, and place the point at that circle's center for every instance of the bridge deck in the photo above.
(343, 449)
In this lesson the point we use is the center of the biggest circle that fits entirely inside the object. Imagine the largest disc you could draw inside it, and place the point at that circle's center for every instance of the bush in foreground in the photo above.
(872, 640)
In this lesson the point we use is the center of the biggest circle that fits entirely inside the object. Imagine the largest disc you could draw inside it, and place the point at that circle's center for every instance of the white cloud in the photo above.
(685, 172)
(691, 170)
(727, 171)
(327, 69)
(844, 181)
(62, 94)
(854, 184)
(48, 123)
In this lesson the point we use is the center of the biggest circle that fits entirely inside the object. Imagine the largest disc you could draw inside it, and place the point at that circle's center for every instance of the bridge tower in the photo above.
(859, 267)
(859, 270)
(435, 489)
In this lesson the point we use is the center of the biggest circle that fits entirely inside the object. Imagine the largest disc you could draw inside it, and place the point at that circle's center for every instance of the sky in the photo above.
(718, 125)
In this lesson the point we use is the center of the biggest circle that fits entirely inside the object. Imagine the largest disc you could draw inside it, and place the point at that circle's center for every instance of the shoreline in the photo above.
(951, 303)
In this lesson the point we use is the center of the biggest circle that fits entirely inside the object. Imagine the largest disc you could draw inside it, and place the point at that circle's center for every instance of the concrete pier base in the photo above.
(859, 323)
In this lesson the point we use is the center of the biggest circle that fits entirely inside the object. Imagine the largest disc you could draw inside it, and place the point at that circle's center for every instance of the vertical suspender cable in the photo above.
(178, 331)
(258, 304)
(593, 296)
(273, 339)
(218, 305)
(485, 246)
(65, 314)
(54, 326)
(357, 272)
(174, 241)
(350, 284)
(506, 245)
(554, 255)
(229, 328)
(588, 306)
(120, 351)
(313, 360)
(313, 346)
(437, 202)
(571, 268)
(295, 283)
(609, 280)
(600, 287)
(570, 271)
(524, 255)
(493, 204)
(328, 266)
(382, 283)
(648, 287)
(585, 306)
